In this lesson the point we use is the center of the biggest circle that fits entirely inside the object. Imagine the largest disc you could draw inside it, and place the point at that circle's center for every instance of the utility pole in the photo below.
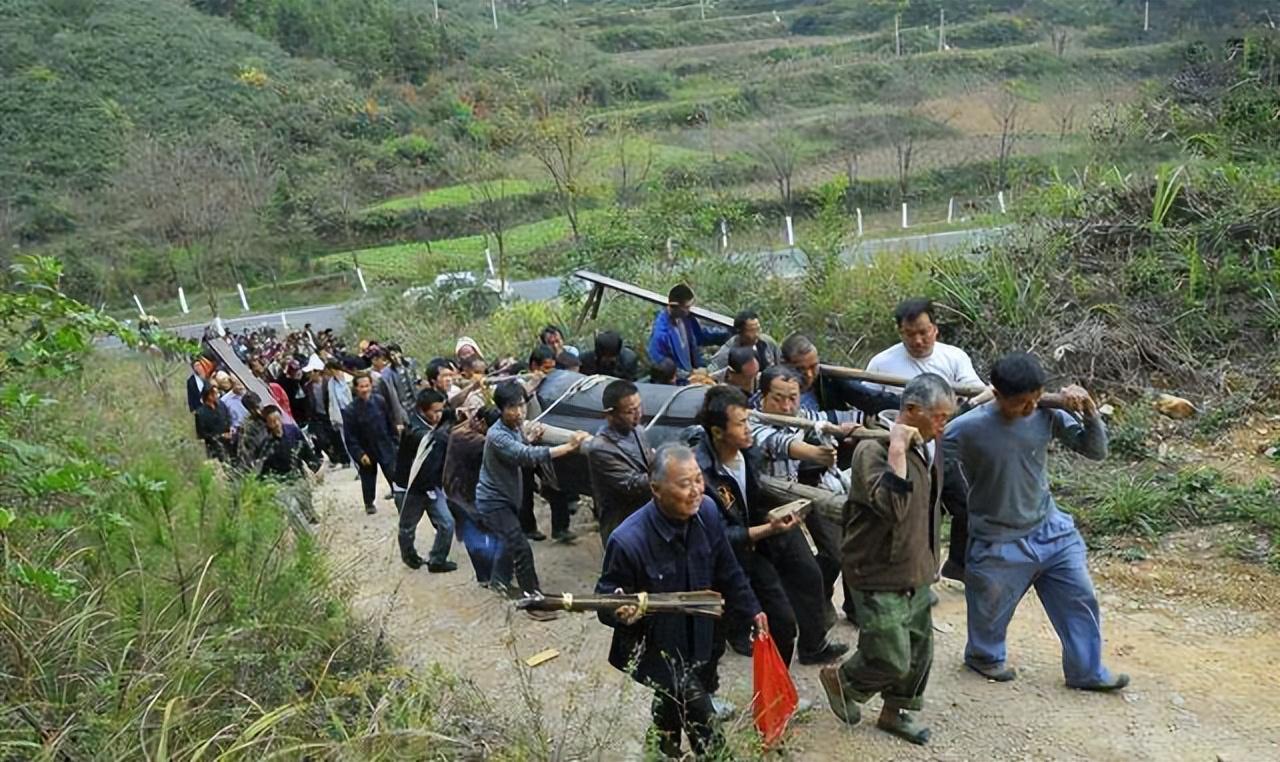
(942, 30)
(493, 7)
(702, 8)
(436, 5)
(1146, 16)
(897, 34)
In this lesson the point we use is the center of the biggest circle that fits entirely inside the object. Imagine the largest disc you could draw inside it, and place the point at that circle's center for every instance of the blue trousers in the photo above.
(412, 506)
(1052, 558)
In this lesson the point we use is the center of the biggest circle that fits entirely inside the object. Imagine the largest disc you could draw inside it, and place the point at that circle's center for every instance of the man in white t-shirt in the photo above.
(920, 351)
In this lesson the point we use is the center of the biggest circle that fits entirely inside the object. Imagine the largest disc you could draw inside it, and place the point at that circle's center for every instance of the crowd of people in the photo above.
(458, 441)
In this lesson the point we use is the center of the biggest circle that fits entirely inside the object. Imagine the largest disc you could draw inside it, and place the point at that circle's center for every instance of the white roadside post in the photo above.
(284, 321)
(724, 235)
(1146, 16)
(859, 222)
(897, 34)
(217, 324)
(360, 276)
(182, 300)
(243, 301)
(137, 301)
(1000, 198)
(791, 232)
(904, 215)
(951, 210)
(493, 6)
(488, 260)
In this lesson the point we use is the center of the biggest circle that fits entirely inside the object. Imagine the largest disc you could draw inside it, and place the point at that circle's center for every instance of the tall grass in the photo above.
(152, 608)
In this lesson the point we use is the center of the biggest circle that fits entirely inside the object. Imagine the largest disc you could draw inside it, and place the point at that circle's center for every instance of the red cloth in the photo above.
(775, 695)
(282, 400)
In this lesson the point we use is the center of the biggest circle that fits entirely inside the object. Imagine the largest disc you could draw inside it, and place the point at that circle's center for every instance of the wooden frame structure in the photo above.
(601, 283)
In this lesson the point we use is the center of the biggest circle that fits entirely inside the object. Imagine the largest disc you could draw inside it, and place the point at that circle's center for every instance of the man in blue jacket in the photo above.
(677, 335)
(674, 543)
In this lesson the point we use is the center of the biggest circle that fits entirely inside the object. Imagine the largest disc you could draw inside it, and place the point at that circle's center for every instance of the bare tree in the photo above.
(631, 165)
(1059, 36)
(777, 147)
(1005, 105)
(481, 168)
(194, 194)
(905, 135)
(559, 141)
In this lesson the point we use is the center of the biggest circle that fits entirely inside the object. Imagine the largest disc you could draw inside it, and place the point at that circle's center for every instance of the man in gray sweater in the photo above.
(1017, 535)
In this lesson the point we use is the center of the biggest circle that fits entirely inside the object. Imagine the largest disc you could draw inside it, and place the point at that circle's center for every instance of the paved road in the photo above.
(785, 263)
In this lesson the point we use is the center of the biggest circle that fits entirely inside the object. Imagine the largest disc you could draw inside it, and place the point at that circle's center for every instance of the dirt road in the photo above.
(1197, 633)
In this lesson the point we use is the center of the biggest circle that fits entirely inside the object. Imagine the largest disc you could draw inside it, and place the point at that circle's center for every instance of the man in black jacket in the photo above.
(419, 475)
(610, 358)
(769, 549)
(367, 431)
(213, 424)
(619, 458)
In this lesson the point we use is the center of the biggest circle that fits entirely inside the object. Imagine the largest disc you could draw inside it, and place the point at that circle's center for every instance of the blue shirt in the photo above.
(649, 552)
(679, 339)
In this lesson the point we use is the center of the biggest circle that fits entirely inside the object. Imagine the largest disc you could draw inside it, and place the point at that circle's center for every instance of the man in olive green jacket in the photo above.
(890, 557)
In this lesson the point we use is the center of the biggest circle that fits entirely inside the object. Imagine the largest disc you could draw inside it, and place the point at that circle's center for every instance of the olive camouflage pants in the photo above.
(895, 648)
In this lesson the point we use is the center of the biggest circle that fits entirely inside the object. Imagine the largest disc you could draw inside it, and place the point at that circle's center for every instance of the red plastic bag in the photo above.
(775, 695)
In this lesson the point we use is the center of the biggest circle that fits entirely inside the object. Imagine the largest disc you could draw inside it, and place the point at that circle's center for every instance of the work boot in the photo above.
(847, 711)
(1000, 673)
(899, 723)
(829, 652)
(1118, 682)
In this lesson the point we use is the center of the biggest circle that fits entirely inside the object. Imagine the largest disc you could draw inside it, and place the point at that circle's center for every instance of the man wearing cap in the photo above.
(677, 335)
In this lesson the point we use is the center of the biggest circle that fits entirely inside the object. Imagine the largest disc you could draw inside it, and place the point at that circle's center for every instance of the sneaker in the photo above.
(1118, 682)
(565, 537)
(996, 672)
(371, 509)
(952, 570)
(535, 535)
(829, 653)
(847, 711)
(443, 567)
(411, 560)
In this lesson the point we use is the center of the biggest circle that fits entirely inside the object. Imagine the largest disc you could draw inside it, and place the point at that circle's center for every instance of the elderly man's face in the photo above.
(680, 493)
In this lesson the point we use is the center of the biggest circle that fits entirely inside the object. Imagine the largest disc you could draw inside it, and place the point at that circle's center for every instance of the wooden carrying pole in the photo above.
(825, 502)
(839, 371)
(810, 424)
(706, 603)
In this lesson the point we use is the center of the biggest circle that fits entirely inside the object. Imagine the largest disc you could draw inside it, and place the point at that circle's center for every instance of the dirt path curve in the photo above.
(1206, 673)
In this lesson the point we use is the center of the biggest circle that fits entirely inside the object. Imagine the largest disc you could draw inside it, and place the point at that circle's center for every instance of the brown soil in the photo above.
(1196, 632)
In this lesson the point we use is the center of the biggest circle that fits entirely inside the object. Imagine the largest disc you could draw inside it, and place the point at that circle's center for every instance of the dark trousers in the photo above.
(328, 441)
(481, 546)
(559, 506)
(684, 704)
(369, 480)
(955, 502)
(513, 553)
(766, 583)
(826, 536)
(802, 579)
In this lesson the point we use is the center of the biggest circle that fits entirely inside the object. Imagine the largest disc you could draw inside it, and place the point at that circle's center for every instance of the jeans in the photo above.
(513, 552)
(481, 546)
(412, 506)
(1052, 558)
(369, 480)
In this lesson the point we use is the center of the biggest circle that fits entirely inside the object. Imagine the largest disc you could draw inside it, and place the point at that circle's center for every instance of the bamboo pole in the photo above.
(839, 371)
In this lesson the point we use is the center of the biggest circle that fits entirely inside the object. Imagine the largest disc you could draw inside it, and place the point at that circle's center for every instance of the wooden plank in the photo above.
(649, 296)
